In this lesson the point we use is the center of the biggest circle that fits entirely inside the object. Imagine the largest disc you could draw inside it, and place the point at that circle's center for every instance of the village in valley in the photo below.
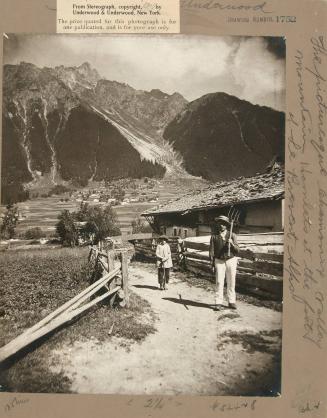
(100, 181)
(128, 197)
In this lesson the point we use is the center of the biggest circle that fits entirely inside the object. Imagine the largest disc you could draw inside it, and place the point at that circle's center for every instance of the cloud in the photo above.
(258, 72)
(192, 65)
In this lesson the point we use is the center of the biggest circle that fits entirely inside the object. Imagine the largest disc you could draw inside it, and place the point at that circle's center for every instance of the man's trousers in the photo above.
(225, 268)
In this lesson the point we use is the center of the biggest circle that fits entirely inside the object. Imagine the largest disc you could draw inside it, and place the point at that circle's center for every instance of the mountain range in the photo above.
(70, 125)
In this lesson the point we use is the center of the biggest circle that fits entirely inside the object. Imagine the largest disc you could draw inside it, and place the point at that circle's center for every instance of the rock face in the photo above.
(80, 77)
(151, 110)
(222, 137)
(67, 124)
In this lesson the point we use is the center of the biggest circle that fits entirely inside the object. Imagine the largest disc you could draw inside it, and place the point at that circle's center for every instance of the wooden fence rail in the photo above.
(260, 265)
(114, 280)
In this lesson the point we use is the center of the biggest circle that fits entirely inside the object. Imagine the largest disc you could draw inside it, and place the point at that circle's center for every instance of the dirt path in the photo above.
(194, 351)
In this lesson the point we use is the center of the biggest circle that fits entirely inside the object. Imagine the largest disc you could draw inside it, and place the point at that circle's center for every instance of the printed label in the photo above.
(118, 16)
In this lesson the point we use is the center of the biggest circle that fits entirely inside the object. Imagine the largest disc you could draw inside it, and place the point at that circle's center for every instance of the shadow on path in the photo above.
(144, 286)
(187, 302)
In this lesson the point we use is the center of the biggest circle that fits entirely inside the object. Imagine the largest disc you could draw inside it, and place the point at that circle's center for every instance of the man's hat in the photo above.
(163, 237)
(222, 219)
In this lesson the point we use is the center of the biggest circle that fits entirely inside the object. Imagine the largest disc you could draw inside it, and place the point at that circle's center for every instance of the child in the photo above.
(164, 261)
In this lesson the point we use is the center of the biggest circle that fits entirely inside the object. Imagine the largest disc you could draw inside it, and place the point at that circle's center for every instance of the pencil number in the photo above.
(155, 403)
(286, 19)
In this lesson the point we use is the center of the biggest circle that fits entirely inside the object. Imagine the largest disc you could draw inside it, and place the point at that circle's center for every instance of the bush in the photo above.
(99, 224)
(9, 221)
(118, 193)
(34, 233)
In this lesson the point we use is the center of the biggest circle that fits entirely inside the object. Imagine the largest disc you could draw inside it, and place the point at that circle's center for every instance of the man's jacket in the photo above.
(219, 246)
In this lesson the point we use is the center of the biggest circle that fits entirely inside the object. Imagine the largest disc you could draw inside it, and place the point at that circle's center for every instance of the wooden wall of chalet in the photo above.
(170, 219)
(180, 231)
(256, 217)
(264, 216)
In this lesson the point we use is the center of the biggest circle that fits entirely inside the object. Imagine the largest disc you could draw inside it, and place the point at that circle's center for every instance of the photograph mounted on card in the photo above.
(163, 208)
(173, 175)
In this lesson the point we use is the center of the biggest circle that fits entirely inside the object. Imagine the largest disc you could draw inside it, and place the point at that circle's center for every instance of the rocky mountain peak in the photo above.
(85, 66)
(66, 124)
(20, 76)
(88, 72)
(158, 94)
(81, 77)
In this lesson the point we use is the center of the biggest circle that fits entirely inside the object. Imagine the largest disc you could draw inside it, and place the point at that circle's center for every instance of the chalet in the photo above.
(259, 199)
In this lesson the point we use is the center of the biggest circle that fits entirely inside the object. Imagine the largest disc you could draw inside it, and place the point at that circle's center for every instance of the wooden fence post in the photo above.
(111, 260)
(111, 266)
(124, 274)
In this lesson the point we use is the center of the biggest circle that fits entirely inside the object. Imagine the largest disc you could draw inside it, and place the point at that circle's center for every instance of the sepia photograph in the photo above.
(142, 214)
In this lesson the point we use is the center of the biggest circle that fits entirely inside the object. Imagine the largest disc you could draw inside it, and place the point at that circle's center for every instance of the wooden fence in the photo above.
(113, 282)
(108, 260)
(260, 266)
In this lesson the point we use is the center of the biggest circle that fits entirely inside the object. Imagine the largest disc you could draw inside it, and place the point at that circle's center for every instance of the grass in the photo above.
(35, 282)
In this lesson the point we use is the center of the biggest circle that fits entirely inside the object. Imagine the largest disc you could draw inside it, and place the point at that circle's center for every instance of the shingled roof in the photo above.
(266, 186)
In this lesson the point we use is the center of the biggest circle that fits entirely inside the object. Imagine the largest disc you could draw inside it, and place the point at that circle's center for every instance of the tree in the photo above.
(66, 229)
(34, 233)
(101, 223)
(9, 222)
(83, 213)
(119, 193)
(139, 225)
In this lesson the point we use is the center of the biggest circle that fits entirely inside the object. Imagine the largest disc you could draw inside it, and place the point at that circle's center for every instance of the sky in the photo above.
(251, 68)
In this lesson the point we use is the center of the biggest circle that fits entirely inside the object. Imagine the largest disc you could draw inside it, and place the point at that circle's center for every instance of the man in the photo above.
(223, 250)
(164, 261)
